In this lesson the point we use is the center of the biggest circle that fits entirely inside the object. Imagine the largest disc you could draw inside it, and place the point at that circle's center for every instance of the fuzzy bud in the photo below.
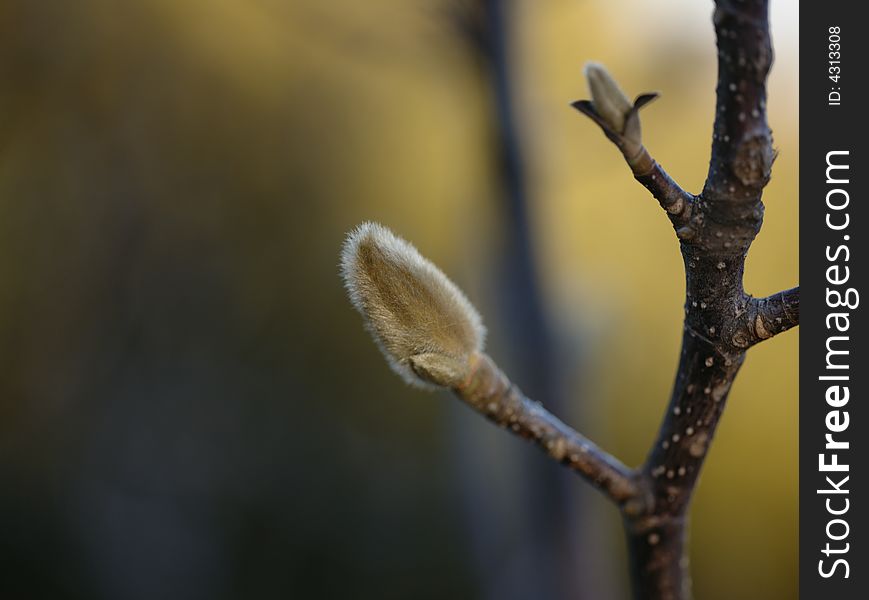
(423, 323)
(608, 99)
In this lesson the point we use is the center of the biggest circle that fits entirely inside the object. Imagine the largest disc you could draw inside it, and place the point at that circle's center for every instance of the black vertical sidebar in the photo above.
(834, 421)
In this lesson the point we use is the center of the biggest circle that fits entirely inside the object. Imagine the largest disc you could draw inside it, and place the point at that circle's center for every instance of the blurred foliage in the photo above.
(189, 408)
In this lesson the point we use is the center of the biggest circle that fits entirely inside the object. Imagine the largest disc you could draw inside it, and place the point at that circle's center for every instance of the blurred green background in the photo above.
(190, 408)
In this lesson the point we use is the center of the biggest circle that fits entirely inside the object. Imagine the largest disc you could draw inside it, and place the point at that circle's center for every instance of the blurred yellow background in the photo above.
(190, 408)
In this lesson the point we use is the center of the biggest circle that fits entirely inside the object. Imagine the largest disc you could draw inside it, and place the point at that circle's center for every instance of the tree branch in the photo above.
(672, 198)
(772, 315)
(428, 330)
(488, 391)
(742, 152)
(721, 321)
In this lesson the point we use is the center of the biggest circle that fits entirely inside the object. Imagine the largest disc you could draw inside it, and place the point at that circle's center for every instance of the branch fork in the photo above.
(433, 337)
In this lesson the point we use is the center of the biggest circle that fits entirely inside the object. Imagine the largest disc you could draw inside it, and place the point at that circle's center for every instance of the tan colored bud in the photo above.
(423, 323)
(608, 99)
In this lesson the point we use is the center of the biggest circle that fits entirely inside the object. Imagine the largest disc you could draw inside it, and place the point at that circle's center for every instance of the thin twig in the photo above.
(491, 393)
(672, 198)
(767, 317)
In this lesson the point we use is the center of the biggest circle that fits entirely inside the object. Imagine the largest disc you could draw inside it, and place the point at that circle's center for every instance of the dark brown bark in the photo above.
(715, 230)
(657, 557)
(722, 321)
(491, 393)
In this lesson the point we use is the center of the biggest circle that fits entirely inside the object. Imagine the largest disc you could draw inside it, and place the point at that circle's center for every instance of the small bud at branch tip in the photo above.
(608, 99)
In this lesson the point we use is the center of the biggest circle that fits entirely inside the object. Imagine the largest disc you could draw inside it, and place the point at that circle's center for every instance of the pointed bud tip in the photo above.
(608, 99)
(424, 325)
(592, 66)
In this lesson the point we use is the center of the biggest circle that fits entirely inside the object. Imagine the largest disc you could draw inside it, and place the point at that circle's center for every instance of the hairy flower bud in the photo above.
(425, 326)
(608, 99)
